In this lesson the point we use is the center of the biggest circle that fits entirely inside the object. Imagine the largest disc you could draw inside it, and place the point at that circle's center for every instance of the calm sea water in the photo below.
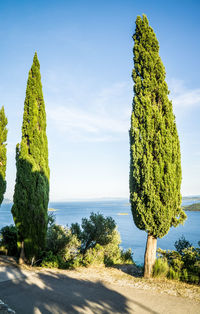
(69, 212)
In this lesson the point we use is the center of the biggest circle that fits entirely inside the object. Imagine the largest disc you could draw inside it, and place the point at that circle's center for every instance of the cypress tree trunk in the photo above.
(150, 255)
(22, 254)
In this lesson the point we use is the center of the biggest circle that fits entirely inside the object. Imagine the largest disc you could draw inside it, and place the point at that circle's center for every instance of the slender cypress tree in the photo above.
(31, 194)
(3, 159)
(155, 161)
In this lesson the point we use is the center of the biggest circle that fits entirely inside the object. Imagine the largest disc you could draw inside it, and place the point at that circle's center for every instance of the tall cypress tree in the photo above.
(3, 159)
(31, 194)
(155, 161)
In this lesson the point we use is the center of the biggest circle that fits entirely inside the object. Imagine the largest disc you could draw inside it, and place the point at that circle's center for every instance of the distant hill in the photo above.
(191, 198)
(192, 207)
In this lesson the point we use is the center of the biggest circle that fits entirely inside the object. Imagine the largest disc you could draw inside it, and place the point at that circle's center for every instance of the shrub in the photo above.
(100, 230)
(61, 242)
(127, 256)
(57, 238)
(190, 256)
(173, 258)
(193, 278)
(94, 256)
(184, 275)
(172, 274)
(9, 240)
(161, 268)
(77, 261)
(112, 251)
(184, 263)
(182, 244)
(50, 261)
(51, 219)
(96, 241)
(95, 230)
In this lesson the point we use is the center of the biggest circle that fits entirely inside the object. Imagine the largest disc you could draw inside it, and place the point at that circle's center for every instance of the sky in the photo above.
(85, 53)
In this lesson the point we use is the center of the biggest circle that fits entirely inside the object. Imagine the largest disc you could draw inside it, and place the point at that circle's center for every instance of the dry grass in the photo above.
(127, 275)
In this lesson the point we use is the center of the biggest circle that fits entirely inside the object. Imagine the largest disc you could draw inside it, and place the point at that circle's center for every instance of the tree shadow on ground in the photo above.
(49, 292)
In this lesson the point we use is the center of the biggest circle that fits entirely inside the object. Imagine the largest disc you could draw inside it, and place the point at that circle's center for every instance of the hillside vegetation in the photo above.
(192, 207)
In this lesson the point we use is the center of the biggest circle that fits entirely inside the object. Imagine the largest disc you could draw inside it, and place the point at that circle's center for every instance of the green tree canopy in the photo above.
(155, 166)
(3, 159)
(31, 194)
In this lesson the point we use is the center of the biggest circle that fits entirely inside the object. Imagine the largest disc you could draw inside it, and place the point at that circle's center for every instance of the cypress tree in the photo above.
(155, 161)
(3, 159)
(31, 193)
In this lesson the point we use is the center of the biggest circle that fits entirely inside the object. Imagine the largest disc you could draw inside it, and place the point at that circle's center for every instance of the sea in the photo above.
(131, 237)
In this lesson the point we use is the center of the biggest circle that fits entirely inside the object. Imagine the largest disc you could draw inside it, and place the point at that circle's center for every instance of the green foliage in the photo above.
(57, 239)
(161, 268)
(8, 239)
(51, 219)
(155, 162)
(172, 274)
(31, 194)
(76, 230)
(3, 159)
(127, 256)
(95, 230)
(60, 241)
(62, 246)
(112, 252)
(50, 261)
(184, 263)
(96, 241)
(99, 234)
(182, 244)
(94, 256)
(184, 275)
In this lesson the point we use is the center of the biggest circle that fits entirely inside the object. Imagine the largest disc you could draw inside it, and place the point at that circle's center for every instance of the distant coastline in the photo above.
(193, 201)
(193, 207)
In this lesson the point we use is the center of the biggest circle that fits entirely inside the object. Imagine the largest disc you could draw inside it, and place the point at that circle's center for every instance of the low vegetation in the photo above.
(8, 240)
(95, 241)
(180, 264)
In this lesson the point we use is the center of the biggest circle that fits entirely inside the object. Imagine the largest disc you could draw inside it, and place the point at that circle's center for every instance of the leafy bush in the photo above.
(112, 252)
(96, 241)
(172, 274)
(95, 230)
(127, 256)
(94, 256)
(100, 230)
(184, 275)
(182, 244)
(184, 264)
(61, 243)
(50, 261)
(51, 219)
(8, 239)
(161, 268)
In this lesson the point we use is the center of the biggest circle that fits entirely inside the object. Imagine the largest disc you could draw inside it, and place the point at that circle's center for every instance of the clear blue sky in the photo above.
(85, 53)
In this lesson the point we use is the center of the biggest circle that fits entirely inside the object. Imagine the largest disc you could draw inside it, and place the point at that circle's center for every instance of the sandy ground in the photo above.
(91, 290)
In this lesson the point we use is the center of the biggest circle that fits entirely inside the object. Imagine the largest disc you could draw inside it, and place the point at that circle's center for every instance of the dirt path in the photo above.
(92, 290)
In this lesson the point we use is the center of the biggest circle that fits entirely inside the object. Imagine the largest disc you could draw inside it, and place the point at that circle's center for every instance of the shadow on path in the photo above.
(51, 292)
